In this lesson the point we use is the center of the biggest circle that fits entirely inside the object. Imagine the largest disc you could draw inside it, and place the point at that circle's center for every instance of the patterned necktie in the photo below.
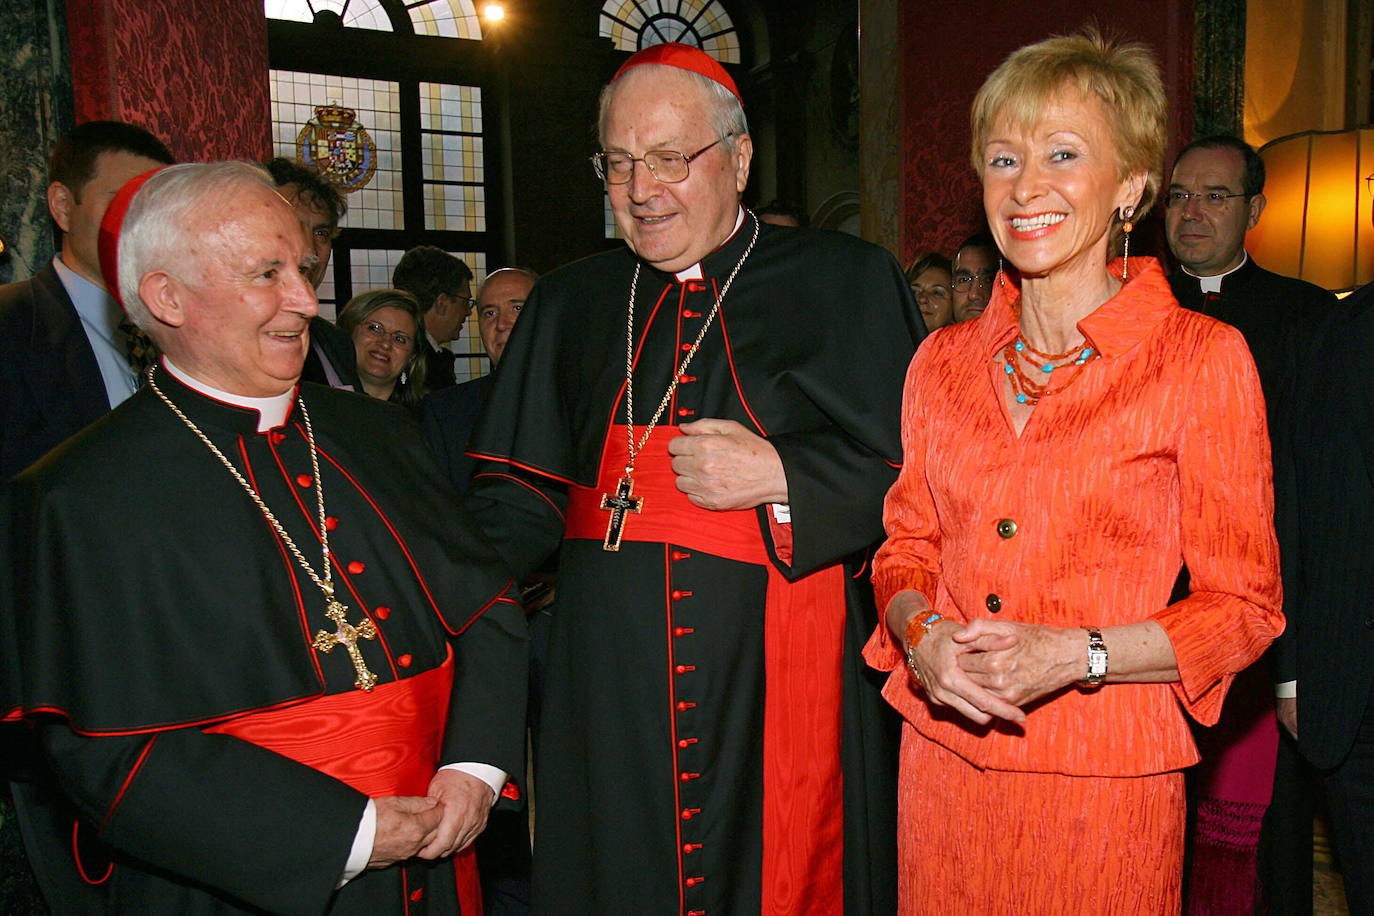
(139, 349)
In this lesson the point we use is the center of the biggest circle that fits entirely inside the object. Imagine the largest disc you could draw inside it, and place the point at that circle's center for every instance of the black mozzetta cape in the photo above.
(809, 349)
(145, 596)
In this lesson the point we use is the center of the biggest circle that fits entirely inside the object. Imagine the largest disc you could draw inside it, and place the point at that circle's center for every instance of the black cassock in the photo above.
(658, 788)
(149, 614)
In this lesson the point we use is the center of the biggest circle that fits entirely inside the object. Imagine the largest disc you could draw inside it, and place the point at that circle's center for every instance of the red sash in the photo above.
(381, 743)
(803, 851)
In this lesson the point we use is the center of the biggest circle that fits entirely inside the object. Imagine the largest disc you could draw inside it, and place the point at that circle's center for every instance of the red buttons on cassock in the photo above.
(683, 631)
(690, 848)
(381, 613)
(680, 555)
(686, 742)
(276, 437)
(696, 287)
(683, 669)
(688, 313)
(686, 379)
(678, 594)
(686, 347)
(405, 660)
(688, 777)
(418, 894)
(696, 913)
(694, 881)
(304, 480)
(356, 567)
(689, 813)
(330, 523)
(683, 706)
(685, 411)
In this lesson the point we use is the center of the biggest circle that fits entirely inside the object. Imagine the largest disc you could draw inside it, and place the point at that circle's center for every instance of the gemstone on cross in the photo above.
(618, 503)
(347, 636)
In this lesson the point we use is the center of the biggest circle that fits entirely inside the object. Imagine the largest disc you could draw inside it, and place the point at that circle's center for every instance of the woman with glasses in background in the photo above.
(383, 324)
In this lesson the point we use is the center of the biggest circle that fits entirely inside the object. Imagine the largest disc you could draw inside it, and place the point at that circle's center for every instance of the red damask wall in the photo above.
(948, 50)
(194, 72)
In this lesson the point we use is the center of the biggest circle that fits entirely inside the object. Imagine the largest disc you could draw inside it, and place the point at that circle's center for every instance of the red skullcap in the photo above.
(684, 57)
(110, 226)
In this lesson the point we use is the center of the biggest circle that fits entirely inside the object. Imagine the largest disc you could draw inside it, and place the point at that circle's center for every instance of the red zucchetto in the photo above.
(110, 225)
(684, 57)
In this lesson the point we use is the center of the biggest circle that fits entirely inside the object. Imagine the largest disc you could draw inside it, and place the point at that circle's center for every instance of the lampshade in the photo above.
(1317, 224)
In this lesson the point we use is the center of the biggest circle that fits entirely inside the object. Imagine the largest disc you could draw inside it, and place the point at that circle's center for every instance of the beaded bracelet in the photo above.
(916, 630)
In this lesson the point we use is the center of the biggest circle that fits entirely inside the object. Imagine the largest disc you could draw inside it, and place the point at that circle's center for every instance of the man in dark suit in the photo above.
(442, 284)
(318, 204)
(1215, 196)
(1324, 476)
(66, 365)
(66, 362)
(450, 414)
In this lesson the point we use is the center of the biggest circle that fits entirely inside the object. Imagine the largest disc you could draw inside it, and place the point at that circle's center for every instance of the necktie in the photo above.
(139, 349)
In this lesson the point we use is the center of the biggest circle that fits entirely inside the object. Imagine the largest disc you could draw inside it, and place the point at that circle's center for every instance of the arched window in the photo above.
(399, 119)
(445, 18)
(636, 24)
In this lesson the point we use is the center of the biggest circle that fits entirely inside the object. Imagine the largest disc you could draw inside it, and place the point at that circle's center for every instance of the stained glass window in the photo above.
(295, 96)
(359, 14)
(452, 157)
(636, 24)
(444, 18)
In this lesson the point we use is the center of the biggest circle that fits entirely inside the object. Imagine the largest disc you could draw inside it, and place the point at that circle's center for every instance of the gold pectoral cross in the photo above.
(618, 503)
(348, 635)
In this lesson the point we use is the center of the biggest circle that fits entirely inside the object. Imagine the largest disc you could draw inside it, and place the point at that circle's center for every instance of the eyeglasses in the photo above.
(1207, 200)
(667, 166)
(964, 282)
(376, 331)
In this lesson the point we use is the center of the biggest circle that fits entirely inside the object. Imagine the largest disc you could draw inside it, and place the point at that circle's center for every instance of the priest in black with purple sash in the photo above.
(269, 676)
(707, 420)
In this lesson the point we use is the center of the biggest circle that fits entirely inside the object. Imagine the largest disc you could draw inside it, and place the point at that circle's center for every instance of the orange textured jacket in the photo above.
(1156, 456)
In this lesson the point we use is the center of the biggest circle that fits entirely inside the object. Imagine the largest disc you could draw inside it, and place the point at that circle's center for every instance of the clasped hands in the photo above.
(990, 668)
(431, 826)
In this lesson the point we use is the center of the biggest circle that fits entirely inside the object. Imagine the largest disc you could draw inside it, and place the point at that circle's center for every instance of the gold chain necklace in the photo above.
(346, 634)
(623, 499)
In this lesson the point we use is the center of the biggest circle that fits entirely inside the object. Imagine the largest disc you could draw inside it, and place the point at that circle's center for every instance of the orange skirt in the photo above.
(992, 842)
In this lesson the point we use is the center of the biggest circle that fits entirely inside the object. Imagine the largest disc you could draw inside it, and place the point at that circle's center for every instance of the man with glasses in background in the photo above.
(975, 268)
(443, 285)
(711, 741)
(1216, 195)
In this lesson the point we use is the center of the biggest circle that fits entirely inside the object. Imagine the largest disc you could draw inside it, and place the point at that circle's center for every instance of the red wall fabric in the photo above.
(948, 50)
(193, 73)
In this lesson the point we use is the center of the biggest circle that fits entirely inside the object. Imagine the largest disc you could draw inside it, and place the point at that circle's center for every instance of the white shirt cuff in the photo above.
(1288, 690)
(493, 777)
(362, 844)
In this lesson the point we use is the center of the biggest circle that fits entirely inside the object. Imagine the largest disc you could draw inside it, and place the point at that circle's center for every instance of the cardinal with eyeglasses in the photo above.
(706, 419)
(265, 673)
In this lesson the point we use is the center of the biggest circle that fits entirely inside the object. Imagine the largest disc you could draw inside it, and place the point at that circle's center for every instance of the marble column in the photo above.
(36, 107)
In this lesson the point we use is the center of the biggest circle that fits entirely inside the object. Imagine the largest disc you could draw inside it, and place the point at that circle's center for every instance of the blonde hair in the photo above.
(1122, 75)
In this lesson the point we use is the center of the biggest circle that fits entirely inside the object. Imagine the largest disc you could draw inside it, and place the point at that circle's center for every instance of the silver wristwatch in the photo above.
(1097, 659)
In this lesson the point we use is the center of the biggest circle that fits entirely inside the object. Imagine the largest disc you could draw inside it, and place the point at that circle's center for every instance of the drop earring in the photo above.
(1127, 227)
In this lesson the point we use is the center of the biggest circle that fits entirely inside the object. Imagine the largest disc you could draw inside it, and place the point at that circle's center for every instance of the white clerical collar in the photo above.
(1213, 284)
(694, 272)
(434, 344)
(272, 410)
